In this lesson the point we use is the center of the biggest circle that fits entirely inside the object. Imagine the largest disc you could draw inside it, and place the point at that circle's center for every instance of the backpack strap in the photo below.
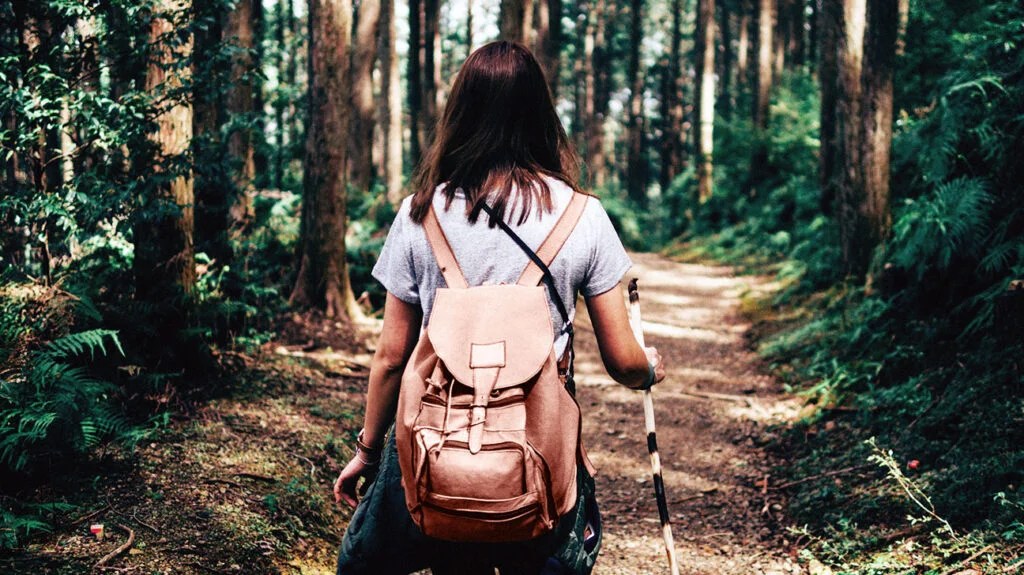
(443, 252)
(533, 274)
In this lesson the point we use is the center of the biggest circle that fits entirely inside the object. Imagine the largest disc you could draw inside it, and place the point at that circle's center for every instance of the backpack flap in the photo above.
(487, 338)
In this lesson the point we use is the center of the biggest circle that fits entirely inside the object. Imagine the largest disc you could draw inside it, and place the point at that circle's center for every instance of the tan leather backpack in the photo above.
(488, 435)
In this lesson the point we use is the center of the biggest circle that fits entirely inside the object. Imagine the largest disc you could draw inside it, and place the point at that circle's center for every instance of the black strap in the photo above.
(549, 280)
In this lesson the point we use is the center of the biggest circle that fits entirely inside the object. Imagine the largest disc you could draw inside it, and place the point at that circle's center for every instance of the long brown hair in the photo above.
(497, 139)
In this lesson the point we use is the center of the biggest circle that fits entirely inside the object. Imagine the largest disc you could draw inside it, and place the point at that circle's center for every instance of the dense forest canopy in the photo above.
(187, 179)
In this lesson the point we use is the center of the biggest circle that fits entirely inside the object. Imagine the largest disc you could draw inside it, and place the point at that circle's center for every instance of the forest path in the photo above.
(712, 410)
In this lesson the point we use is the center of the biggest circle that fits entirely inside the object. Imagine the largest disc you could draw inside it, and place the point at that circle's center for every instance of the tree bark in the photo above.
(636, 167)
(725, 28)
(797, 22)
(391, 108)
(432, 67)
(829, 25)
(780, 36)
(549, 40)
(364, 53)
(672, 100)
(872, 207)
(705, 64)
(743, 45)
(515, 20)
(762, 99)
(164, 261)
(322, 280)
(240, 103)
(415, 81)
(598, 90)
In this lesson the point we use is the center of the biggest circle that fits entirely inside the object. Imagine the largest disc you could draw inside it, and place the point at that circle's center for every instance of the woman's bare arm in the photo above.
(623, 357)
(398, 338)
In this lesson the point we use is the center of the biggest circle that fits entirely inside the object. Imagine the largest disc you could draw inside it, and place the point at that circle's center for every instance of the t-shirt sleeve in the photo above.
(395, 269)
(608, 259)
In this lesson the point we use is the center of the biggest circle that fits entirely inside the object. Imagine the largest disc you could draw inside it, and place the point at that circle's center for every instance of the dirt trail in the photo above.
(712, 411)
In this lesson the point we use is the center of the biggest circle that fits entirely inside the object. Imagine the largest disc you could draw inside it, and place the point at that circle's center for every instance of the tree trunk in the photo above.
(549, 40)
(432, 67)
(872, 207)
(322, 279)
(364, 54)
(847, 172)
(813, 24)
(514, 20)
(725, 26)
(391, 108)
(829, 25)
(164, 255)
(779, 36)
(261, 164)
(636, 167)
(762, 99)
(241, 105)
(672, 102)
(597, 88)
(743, 46)
(705, 56)
(797, 22)
(469, 27)
(415, 81)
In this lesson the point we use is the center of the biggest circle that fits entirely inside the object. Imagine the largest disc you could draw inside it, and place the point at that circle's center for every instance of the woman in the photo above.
(499, 143)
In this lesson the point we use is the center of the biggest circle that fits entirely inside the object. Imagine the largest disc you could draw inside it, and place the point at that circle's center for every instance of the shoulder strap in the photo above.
(534, 273)
(443, 252)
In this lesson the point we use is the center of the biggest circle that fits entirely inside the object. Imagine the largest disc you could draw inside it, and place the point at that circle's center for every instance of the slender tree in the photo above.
(765, 42)
(241, 106)
(743, 44)
(672, 102)
(705, 56)
(364, 54)
(636, 168)
(829, 25)
(391, 105)
(871, 206)
(431, 67)
(515, 20)
(597, 90)
(725, 29)
(164, 255)
(414, 76)
(549, 40)
(322, 280)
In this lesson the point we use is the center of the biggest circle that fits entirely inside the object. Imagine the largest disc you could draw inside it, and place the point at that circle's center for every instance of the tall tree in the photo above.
(725, 28)
(549, 40)
(829, 26)
(705, 56)
(672, 102)
(515, 20)
(241, 106)
(164, 254)
(597, 88)
(414, 76)
(391, 105)
(322, 280)
(870, 207)
(636, 166)
(762, 98)
(431, 67)
(364, 53)
(743, 44)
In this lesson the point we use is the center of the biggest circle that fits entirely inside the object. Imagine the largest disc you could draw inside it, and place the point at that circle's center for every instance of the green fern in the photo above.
(934, 231)
(53, 405)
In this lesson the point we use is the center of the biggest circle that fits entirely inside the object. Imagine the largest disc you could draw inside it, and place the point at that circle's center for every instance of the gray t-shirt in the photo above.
(592, 260)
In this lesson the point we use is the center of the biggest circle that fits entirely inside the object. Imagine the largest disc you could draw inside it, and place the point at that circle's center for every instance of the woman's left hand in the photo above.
(347, 485)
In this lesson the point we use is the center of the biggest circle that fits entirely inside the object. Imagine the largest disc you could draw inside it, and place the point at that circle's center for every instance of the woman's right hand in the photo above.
(654, 358)
(347, 487)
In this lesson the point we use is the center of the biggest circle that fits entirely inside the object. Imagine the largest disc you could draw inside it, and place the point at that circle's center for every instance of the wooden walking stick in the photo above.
(652, 441)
